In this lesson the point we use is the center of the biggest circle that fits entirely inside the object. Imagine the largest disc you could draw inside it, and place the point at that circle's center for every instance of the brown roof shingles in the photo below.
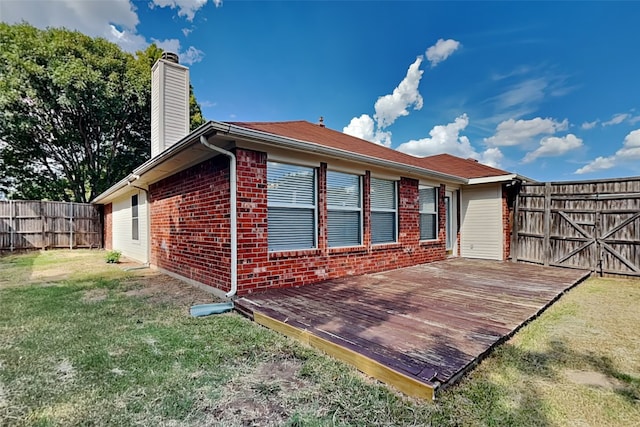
(309, 132)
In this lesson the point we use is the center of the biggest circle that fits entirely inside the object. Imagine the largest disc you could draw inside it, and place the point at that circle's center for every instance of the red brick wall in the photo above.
(259, 270)
(190, 233)
(190, 230)
(107, 223)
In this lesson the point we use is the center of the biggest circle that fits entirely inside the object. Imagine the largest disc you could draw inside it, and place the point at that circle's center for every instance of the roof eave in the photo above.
(106, 196)
(498, 178)
(300, 145)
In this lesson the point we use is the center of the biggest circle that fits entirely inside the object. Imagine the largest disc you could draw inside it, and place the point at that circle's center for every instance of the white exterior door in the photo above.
(481, 234)
(451, 208)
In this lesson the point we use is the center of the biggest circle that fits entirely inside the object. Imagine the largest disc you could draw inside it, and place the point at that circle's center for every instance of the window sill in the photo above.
(386, 246)
(429, 242)
(347, 250)
(293, 253)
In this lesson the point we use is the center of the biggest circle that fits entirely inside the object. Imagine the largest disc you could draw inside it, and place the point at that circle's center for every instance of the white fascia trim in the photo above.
(492, 179)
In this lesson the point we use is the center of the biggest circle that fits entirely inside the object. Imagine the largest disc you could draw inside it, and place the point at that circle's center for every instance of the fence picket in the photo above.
(31, 224)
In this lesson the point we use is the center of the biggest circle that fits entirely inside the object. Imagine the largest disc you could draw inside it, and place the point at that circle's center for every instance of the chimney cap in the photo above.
(171, 57)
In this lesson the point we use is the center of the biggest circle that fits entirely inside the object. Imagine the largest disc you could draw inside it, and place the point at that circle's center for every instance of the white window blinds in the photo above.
(344, 209)
(384, 211)
(291, 207)
(428, 213)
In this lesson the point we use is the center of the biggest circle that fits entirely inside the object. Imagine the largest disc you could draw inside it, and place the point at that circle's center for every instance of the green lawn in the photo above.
(86, 343)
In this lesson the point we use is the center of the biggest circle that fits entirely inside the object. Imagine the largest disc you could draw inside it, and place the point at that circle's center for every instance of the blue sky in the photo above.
(546, 89)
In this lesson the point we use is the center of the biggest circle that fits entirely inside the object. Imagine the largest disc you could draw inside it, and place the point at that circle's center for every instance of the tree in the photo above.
(74, 113)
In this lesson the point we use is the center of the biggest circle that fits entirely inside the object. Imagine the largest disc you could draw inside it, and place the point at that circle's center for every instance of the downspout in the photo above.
(234, 212)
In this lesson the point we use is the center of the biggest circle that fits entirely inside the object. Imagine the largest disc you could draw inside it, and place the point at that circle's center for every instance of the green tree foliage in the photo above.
(74, 113)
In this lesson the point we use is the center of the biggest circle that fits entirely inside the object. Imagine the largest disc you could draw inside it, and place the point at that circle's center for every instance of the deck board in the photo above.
(424, 325)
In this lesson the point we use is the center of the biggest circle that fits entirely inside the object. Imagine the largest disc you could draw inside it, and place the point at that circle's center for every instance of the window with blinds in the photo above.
(384, 211)
(428, 212)
(291, 207)
(344, 209)
(135, 224)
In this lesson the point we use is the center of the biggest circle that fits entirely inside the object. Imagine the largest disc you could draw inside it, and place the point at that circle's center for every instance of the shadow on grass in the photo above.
(478, 399)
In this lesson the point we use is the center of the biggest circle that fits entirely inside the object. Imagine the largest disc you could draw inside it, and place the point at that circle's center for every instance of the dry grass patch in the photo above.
(102, 346)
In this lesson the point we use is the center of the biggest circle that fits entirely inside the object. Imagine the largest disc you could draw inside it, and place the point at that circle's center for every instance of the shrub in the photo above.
(113, 257)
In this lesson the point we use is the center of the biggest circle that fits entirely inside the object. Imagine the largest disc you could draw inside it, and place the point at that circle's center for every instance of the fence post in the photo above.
(44, 225)
(71, 225)
(12, 226)
(546, 246)
(515, 225)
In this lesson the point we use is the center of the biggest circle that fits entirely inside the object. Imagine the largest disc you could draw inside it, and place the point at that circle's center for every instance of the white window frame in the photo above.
(387, 210)
(436, 204)
(313, 207)
(359, 209)
(135, 218)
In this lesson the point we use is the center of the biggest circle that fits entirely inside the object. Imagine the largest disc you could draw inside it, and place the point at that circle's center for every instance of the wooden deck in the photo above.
(416, 328)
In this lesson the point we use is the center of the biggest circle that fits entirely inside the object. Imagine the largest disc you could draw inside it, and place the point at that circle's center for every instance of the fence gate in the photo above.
(592, 225)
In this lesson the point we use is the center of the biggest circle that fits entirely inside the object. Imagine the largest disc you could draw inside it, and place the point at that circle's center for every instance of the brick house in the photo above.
(243, 207)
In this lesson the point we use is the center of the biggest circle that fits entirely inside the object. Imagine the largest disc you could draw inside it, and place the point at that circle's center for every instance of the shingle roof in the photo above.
(309, 132)
(466, 168)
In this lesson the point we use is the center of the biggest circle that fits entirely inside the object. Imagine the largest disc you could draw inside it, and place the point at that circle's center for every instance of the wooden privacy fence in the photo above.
(592, 225)
(26, 224)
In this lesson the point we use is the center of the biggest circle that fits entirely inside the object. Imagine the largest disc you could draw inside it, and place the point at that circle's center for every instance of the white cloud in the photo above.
(129, 41)
(447, 139)
(630, 151)
(442, 139)
(598, 164)
(492, 157)
(363, 127)
(441, 50)
(553, 146)
(186, 8)
(631, 145)
(94, 18)
(589, 125)
(616, 119)
(634, 120)
(115, 20)
(405, 95)
(187, 57)
(524, 93)
(516, 132)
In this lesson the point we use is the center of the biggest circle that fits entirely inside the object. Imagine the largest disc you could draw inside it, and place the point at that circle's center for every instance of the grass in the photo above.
(83, 342)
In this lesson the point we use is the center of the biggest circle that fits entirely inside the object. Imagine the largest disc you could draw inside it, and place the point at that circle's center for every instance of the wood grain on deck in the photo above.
(429, 323)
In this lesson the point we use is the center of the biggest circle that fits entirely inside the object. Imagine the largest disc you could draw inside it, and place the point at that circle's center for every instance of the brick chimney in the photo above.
(169, 103)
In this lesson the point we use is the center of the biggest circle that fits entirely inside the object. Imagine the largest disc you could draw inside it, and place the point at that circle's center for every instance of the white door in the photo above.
(451, 206)
(481, 234)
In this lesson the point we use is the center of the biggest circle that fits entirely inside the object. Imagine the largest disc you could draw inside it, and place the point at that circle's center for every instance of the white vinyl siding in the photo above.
(481, 222)
(428, 212)
(384, 211)
(169, 106)
(291, 212)
(344, 209)
(122, 223)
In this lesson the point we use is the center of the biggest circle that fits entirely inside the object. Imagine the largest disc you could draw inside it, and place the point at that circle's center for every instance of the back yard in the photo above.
(84, 342)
